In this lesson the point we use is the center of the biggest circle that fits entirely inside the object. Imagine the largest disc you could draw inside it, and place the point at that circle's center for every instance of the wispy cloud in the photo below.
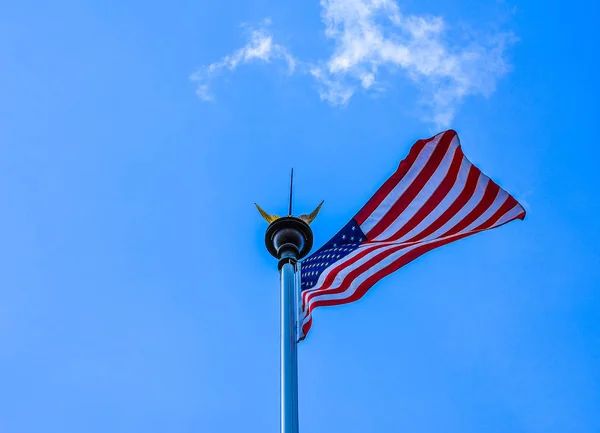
(371, 37)
(260, 47)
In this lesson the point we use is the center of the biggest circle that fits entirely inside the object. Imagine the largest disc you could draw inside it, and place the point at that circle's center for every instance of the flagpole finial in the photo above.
(289, 237)
(307, 218)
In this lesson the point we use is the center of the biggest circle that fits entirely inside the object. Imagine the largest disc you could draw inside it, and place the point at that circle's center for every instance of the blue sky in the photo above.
(135, 290)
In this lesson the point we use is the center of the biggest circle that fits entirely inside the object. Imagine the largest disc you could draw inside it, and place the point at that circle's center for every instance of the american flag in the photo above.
(436, 196)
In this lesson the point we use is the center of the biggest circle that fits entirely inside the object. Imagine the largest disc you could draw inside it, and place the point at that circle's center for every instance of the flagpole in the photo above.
(288, 239)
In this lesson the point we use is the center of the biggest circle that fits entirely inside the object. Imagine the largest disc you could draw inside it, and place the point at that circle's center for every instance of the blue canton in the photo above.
(347, 240)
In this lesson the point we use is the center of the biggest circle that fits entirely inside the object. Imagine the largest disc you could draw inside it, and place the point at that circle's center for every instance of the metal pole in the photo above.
(289, 356)
(289, 239)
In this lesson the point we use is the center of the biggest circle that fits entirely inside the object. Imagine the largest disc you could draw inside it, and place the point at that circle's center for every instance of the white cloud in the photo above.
(259, 47)
(371, 37)
(334, 91)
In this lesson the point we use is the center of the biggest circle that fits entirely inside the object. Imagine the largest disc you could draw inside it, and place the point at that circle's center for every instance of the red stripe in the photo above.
(391, 183)
(381, 251)
(441, 191)
(370, 281)
(354, 272)
(490, 194)
(306, 328)
(330, 278)
(519, 216)
(402, 261)
(392, 267)
(457, 205)
(338, 267)
(415, 187)
(508, 204)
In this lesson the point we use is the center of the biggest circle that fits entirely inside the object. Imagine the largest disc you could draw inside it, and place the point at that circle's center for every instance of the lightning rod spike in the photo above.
(291, 189)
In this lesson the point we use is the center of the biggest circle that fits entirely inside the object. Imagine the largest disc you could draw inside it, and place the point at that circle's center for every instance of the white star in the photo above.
(343, 236)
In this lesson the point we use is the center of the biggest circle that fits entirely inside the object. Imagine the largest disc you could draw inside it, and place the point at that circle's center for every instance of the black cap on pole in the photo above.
(289, 238)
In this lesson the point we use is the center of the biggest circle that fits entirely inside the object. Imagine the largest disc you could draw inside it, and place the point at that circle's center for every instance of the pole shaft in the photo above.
(289, 356)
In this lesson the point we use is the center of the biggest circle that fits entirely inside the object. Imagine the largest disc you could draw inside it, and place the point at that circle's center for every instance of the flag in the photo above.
(436, 196)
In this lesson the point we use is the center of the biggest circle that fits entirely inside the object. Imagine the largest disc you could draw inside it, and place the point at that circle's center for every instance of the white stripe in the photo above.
(490, 211)
(444, 204)
(401, 187)
(325, 294)
(338, 280)
(305, 320)
(428, 189)
(509, 215)
(359, 279)
(353, 285)
(463, 212)
(337, 264)
(308, 294)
